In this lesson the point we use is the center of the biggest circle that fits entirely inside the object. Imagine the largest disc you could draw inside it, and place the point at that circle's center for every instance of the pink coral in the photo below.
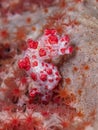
(36, 61)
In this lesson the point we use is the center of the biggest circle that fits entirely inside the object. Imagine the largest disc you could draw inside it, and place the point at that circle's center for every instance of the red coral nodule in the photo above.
(33, 76)
(24, 64)
(42, 52)
(32, 44)
(43, 77)
(50, 31)
(53, 39)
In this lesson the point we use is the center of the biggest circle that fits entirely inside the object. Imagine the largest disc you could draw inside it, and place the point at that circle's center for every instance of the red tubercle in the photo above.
(24, 64)
(57, 73)
(26, 59)
(65, 38)
(50, 31)
(52, 39)
(33, 76)
(63, 50)
(42, 52)
(34, 56)
(21, 64)
(69, 50)
(35, 63)
(58, 77)
(27, 63)
(32, 44)
(50, 80)
(43, 64)
(49, 47)
(46, 65)
(49, 71)
(43, 77)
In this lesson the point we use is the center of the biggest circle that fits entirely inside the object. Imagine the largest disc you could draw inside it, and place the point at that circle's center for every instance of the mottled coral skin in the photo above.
(48, 47)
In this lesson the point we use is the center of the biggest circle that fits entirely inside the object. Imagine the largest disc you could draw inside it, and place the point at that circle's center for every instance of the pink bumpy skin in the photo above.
(45, 75)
